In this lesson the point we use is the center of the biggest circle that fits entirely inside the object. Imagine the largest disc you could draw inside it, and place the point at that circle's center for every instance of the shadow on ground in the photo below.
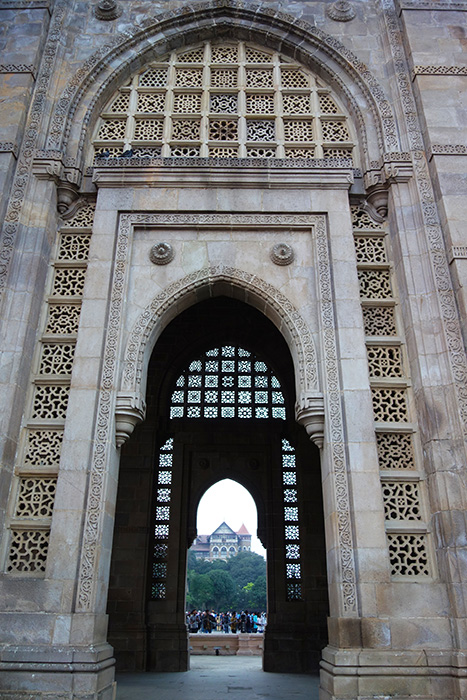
(215, 677)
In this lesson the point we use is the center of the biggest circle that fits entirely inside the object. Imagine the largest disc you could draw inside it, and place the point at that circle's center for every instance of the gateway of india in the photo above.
(234, 246)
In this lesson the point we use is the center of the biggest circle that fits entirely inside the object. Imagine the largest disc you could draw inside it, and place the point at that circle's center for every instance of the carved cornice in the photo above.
(447, 150)
(236, 173)
(438, 70)
(9, 147)
(392, 167)
(18, 68)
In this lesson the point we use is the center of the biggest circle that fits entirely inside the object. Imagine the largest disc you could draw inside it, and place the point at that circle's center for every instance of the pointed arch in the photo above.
(105, 70)
(214, 281)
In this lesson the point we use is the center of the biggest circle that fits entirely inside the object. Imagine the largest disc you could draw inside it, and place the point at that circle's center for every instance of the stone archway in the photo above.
(201, 453)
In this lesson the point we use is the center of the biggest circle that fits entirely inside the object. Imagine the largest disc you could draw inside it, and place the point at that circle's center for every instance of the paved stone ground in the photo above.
(214, 678)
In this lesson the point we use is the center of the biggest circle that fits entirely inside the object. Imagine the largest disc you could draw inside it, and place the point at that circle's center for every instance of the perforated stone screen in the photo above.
(224, 101)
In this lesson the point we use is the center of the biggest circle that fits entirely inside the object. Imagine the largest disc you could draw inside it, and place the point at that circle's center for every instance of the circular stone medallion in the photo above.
(161, 253)
(282, 254)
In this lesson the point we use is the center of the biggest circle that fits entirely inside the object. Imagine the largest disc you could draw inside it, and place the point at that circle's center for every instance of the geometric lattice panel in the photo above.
(63, 319)
(384, 361)
(50, 401)
(401, 500)
(57, 358)
(390, 405)
(375, 284)
(227, 382)
(395, 451)
(162, 521)
(408, 555)
(379, 320)
(36, 497)
(219, 100)
(28, 551)
(370, 249)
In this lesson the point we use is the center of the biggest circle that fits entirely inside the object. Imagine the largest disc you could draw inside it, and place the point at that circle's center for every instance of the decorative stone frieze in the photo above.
(24, 4)
(340, 11)
(447, 149)
(437, 5)
(438, 70)
(18, 68)
(9, 147)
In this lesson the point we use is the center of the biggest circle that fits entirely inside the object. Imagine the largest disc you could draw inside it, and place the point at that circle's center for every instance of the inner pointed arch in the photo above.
(210, 282)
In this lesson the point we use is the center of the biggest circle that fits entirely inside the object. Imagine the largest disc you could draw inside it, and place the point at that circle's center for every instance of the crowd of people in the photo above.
(208, 621)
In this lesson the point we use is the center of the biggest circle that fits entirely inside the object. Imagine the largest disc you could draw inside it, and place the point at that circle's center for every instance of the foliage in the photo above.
(236, 584)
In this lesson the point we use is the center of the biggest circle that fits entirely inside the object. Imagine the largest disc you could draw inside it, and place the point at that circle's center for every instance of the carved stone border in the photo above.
(447, 301)
(334, 418)
(133, 365)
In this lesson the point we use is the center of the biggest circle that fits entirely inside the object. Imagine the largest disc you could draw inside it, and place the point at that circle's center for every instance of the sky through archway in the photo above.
(229, 502)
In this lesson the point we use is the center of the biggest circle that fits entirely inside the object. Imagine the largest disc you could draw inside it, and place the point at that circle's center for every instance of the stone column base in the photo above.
(57, 673)
(354, 674)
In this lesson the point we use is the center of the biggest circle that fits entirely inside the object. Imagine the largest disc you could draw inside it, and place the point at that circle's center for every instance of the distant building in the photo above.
(223, 543)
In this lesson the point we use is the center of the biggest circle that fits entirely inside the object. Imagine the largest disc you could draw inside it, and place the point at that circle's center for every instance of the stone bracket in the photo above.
(130, 409)
(52, 165)
(391, 168)
(309, 412)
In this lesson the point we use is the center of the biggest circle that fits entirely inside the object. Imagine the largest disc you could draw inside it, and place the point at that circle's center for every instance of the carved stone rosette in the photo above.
(282, 254)
(161, 254)
(340, 11)
(107, 10)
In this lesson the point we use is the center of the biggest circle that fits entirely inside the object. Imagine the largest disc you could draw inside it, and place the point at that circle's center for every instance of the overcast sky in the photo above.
(228, 501)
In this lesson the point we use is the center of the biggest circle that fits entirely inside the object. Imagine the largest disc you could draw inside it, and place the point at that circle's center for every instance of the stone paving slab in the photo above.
(215, 677)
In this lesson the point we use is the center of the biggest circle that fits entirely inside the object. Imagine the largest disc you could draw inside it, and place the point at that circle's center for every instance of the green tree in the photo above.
(201, 591)
(235, 584)
(223, 589)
